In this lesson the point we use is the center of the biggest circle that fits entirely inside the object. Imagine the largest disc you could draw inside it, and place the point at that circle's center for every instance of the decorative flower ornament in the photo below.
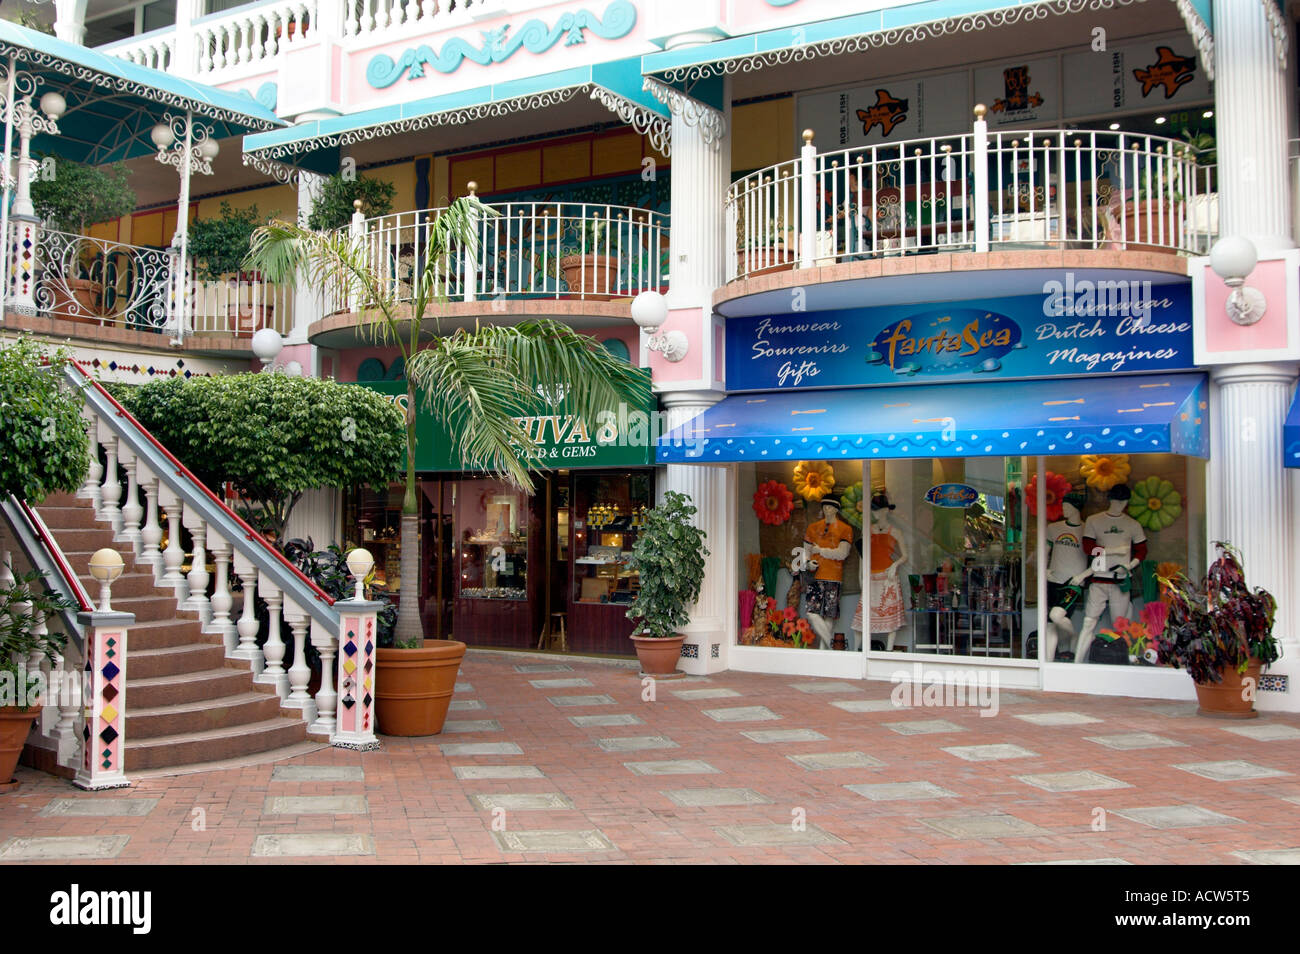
(851, 505)
(773, 502)
(814, 479)
(1104, 471)
(1057, 488)
(1155, 504)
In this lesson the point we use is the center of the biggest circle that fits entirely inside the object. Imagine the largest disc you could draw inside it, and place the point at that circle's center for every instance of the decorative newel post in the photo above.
(103, 734)
(980, 161)
(807, 200)
(355, 719)
(470, 278)
(358, 234)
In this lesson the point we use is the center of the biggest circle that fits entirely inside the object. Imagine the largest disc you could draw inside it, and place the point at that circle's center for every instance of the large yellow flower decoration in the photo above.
(813, 479)
(1104, 471)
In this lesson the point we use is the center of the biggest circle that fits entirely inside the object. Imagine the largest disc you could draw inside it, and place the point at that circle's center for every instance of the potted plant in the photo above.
(334, 206)
(218, 247)
(1203, 211)
(588, 272)
(1154, 213)
(74, 197)
(770, 250)
(1220, 632)
(669, 556)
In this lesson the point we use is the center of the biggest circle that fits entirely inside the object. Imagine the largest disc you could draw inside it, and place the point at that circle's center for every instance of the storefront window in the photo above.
(610, 511)
(373, 519)
(491, 521)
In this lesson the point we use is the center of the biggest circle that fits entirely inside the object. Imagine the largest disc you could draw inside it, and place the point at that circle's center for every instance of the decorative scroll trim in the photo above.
(691, 111)
(454, 117)
(1280, 32)
(1201, 35)
(644, 121)
(917, 33)
(279, 171)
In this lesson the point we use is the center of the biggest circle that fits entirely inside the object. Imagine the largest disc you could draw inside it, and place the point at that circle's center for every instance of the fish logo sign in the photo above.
(887, 112)
(1015, 84)
(1169, 70)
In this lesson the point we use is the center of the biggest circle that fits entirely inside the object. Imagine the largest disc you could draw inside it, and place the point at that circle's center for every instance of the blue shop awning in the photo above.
(1291, 434)
(1138, 414)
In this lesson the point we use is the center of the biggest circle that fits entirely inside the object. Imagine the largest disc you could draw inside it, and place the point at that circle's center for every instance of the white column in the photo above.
(273, 648)
(701, 172)
(131, 509)
(1252, 110)
(326, 697)
(70, 21)
(185, 60)
(248, 627)
(151, 532)
(299, 672)
(110, 492)
(173, 555)
(707, 486)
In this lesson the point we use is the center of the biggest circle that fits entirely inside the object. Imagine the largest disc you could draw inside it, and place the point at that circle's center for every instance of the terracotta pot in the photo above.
(15, 724)
(83, 304)
(1145, 219)
(413, 687)
(1227, 699)
(591, 276)
(767, 260)
(658, 656)
(245, 319)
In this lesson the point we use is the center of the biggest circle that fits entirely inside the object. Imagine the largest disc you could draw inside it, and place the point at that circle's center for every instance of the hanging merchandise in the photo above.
(1104, 471)
(1155, 503)
(814, 479)
(773, 502)
(851, 505)
(1057, 488)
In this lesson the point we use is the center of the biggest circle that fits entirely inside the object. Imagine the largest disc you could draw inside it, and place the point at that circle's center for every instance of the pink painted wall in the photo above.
(690, 368)
(1222, 334)
(350, 359)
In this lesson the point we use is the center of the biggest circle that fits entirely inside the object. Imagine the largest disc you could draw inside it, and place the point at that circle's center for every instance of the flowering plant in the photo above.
(1057, 488)
(773, 502)
(814, 479)
(1136, 635)
(1104, 471)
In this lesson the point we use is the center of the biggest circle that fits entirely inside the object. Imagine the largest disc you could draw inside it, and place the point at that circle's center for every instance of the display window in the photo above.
(611, 512)
(373, 519)
(492, 520)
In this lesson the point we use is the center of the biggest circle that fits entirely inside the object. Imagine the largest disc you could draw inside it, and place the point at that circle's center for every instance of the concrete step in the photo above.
(133, 584)
(154, 691)
(164, 634)
(174, 660)
(256, 758)
(200, 716)
(68, 518)
(213, 744)
(90, 540)
(147, 609)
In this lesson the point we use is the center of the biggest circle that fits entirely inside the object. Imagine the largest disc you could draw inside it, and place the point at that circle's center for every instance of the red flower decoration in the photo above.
(773, 502)
(788, 628)
(1057, 488)
(802, 626)
(790, 613)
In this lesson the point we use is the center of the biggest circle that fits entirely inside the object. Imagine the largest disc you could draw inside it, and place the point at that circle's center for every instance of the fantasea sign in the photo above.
(1074, 327)
(952, 495)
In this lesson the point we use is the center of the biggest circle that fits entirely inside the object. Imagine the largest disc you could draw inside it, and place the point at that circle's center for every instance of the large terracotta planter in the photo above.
(1228, 699)
(79, 301)
(413, 687)
(15, 724)
(245, 319)
(1151, 219)
(591, 276)
(658, 656)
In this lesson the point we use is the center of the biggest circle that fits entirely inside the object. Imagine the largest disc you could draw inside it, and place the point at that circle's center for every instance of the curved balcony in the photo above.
(977, 192)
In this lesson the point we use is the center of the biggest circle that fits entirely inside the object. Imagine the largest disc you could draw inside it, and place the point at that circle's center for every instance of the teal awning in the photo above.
(113, 104)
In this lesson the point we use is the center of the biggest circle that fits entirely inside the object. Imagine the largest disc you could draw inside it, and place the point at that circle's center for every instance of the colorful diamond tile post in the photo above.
(104, 733)
(22, 291)
(355, 718)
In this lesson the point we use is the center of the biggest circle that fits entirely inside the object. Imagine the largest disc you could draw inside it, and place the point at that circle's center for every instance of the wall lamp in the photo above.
(650, 311)
(1233, 259)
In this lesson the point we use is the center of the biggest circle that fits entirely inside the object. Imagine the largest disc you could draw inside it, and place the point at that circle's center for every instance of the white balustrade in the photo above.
(240, 305)
(151, 533)
(273, 649)
(248, 626)
(174, 554)
(326, 697)
(90, 489)
(197, 578)
(299, 671)
(222, 600)
(110, 492)
(132, 511)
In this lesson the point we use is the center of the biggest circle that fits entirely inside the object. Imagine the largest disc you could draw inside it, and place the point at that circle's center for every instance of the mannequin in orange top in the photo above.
(887, 554)
(827, 541)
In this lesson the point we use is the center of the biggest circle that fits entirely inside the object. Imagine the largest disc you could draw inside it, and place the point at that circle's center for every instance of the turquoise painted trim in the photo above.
(500, 44)
(268, 94)
(1205, 10)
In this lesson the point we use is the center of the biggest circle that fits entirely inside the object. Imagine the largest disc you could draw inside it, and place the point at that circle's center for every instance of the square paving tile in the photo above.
(453, 726)
(671, 767)
(716, 797)
(544, 667)
(636, 743)
(922, 727)
(538, 801)
(597, 700)
(316, 805)
(897, 791)
(775, 836)
(63, 848)
(318, 773)
(984, 826)
(1265, 731)
(1015, 698)
(1177, 816)
(784, 735)
(91, 807)
(311, 846)
(474, 772)
(705, 693)
(460, 705)
(867, 705)
(1134, 740)
(1229, 771)
(552, 841)
(463, 687)
(989, 753)
(559, 683)
(742, 714)
(1072, 781)
(621, 718)
(1174, 709)
(1271, 856)
(826, 761)
(1057, 718)
(825, 687)
(480, 748)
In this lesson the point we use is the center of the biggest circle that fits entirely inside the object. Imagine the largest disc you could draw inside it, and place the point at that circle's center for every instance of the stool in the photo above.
(550, 634)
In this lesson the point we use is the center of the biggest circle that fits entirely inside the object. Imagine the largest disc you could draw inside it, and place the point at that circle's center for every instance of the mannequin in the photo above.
(827, 541)
(887, 554)
(1118, 544)
(1067, 566)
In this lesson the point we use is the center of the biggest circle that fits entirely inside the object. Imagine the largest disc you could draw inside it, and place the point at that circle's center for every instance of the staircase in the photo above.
(188, 705)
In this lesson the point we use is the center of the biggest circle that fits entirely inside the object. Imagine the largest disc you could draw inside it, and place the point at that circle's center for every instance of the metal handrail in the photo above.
(45, 554)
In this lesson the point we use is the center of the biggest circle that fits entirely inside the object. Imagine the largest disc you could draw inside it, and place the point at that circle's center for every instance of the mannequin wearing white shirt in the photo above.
(1067, 567)
(1118, 545)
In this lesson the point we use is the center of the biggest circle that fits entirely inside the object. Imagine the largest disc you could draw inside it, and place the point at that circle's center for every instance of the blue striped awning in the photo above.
(1136, 414)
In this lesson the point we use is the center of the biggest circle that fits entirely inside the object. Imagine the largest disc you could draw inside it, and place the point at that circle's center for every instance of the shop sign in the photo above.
(620, 437)
(952, 495)
(1075, 327)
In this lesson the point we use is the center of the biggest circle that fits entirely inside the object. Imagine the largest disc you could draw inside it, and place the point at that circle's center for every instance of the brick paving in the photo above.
(830, 774)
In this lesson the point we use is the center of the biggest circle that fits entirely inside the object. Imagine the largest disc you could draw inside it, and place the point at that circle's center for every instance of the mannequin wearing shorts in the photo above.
(1067, 566)
(1124, 543)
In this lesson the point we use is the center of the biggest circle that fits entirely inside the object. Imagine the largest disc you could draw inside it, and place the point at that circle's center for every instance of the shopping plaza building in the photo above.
(949, 260)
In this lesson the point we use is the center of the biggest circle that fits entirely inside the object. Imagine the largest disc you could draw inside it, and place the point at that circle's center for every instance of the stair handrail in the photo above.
(45, 555)
(269, 561)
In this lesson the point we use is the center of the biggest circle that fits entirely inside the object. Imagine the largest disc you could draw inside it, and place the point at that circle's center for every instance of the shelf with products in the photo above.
(608, 513)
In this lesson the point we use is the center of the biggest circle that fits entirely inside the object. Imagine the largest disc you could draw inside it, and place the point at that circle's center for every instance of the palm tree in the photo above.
(474, 382)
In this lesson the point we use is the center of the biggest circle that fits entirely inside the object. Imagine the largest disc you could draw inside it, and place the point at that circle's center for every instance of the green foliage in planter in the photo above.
(273, 436)
(20, 602)
(43, 446)
(334, 206)
(669, 555)
(219, 246)
(78, 196)
(328, 569)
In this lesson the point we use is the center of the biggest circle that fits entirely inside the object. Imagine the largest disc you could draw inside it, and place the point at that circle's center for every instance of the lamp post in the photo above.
(106, 566)
(1233, 258)
(650, 311)
(267, 345)
(189, 147)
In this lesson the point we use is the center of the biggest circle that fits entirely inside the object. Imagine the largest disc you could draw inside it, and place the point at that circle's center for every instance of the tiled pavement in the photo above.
(735, 768)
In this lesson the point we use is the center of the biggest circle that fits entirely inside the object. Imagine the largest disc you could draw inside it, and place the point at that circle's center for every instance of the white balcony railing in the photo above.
(251, 34)
(239, 306)
(527, 250)
(1053, 188)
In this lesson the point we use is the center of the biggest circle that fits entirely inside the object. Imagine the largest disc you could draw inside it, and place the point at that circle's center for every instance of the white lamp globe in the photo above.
(162, 136)
(267, 344)
(649, 310)
(1233, 258)
(208, 149)
(53, 105)
(360, 563)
